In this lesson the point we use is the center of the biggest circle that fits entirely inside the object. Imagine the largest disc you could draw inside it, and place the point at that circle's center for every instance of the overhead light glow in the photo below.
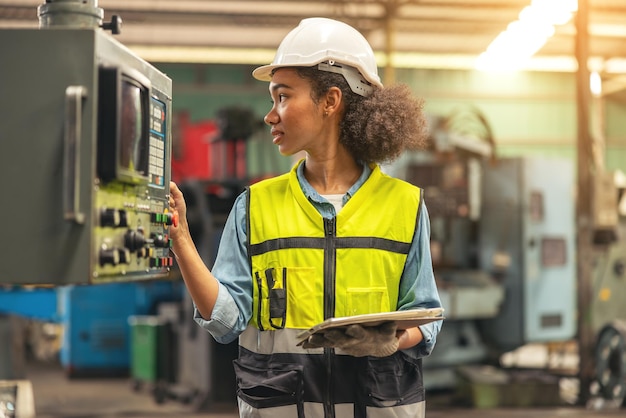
(595, 84)
(511, 49)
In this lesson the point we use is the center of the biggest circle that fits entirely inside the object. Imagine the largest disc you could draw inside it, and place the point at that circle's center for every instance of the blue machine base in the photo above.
(96, 340)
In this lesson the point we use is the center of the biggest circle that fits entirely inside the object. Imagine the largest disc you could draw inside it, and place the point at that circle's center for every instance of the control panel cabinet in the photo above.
(528, 243)
(85, 148)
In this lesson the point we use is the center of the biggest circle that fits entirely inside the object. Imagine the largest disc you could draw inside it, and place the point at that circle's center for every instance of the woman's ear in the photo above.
(332, 101)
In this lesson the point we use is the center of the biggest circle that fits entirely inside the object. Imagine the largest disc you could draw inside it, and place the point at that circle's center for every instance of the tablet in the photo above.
(403, 319)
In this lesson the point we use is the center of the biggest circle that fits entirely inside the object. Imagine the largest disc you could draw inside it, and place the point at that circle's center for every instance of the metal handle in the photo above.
(74, 96)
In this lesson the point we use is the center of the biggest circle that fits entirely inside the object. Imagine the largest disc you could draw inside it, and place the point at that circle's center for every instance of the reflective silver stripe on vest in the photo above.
(311, 410)
(278, 341)
(269, 342)
(246, 411)
(416, 410)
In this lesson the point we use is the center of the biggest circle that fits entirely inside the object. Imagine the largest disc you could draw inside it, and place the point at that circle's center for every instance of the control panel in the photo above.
(85, 154)
(132, 220)
(132, 232)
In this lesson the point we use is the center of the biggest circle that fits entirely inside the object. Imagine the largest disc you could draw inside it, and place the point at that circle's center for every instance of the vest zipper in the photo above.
(329, 268)
(329, 308)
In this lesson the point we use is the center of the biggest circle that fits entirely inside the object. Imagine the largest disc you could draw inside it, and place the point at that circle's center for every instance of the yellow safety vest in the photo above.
(306, 268)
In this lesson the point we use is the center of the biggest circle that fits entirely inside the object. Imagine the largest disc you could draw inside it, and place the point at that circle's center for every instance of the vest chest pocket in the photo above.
(287, 297)
(366, 300)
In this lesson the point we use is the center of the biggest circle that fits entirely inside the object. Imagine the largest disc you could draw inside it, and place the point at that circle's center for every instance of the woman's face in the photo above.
(297, 122)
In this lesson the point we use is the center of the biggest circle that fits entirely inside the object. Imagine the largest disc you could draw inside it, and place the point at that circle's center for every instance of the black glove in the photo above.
(358, 341)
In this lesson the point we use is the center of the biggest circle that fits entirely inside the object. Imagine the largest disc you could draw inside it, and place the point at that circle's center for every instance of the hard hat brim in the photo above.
(264, 72)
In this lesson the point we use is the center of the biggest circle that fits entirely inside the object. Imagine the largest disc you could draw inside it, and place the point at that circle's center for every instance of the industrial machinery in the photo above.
(503, 242)
(85, 149)
(607, 312)
(85, 153)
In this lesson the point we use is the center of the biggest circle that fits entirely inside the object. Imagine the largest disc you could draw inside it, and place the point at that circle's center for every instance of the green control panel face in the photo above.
(132, 233)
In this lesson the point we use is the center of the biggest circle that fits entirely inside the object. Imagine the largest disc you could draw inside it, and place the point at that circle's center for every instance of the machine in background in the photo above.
(85, 153)
(503, 243)
(97, 332)
(91, 323)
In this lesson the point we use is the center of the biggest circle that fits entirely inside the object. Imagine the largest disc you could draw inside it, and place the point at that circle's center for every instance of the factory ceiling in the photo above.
(421, 33)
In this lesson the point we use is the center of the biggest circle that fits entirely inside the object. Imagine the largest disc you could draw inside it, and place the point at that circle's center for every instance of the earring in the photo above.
(326, 113)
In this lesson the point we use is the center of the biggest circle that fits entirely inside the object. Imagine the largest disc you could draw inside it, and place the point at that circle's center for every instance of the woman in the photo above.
(332, 238)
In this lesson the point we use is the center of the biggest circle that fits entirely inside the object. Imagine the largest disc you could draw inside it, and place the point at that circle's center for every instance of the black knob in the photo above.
(124, 255)
(123, 218)
(109, 256)
(134, 240)
(160, 240)
(109, 217)
(115, 25)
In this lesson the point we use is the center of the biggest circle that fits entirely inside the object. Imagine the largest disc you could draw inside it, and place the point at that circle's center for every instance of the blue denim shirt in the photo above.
(233, 308)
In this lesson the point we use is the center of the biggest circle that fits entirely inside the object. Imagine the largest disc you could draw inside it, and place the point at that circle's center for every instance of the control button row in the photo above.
(162, 262)
(161, 218)
(118, 218)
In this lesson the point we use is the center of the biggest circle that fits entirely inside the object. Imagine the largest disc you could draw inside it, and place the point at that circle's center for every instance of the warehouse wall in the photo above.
(529, 113)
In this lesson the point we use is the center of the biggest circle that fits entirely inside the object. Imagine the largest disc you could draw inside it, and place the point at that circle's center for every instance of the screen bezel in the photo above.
(110, 105)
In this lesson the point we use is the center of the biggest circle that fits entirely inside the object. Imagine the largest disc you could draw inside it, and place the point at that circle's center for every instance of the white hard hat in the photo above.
(334, 46)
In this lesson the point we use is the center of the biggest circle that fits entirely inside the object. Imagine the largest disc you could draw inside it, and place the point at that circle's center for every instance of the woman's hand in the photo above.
(178, 208)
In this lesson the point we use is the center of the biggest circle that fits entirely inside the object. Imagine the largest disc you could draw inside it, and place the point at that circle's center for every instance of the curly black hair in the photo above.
(378, 128)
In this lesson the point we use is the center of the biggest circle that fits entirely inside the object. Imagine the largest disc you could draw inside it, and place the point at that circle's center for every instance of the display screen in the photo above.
(133, 143)
(124, 126)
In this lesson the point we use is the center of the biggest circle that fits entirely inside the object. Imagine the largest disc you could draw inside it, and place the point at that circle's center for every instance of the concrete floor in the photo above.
(56, 396)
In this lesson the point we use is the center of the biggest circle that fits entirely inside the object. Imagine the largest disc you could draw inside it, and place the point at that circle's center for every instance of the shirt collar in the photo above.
(314, 196)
